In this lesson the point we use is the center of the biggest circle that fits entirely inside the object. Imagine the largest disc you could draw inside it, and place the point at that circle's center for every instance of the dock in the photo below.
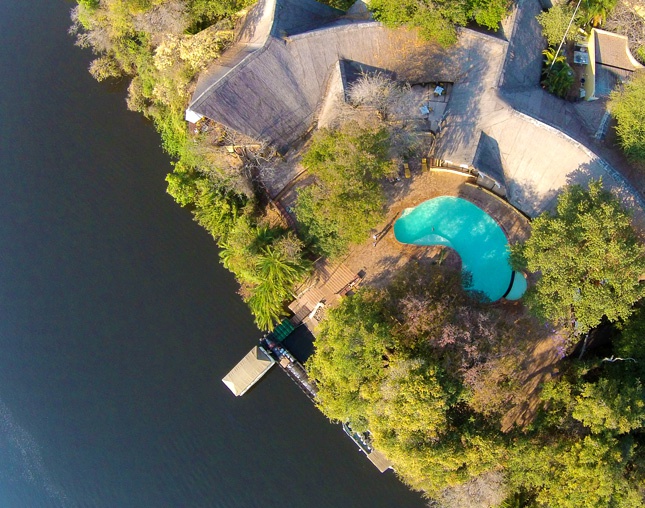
(270, 351)
(326, 286)
(375, 457)
(248, 371)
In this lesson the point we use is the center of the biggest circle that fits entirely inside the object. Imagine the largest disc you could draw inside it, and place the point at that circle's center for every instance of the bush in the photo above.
(555, 22)
(558, 74)
(628, 107)
(589, 258)
(437, 20)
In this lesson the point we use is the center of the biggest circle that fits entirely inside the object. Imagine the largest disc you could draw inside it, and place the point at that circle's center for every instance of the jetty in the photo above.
(272, 350)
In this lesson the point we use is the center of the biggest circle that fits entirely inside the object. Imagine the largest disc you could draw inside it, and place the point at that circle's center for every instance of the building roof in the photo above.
(293, 17)
(272, 92)
(613, 50)
(248, 371)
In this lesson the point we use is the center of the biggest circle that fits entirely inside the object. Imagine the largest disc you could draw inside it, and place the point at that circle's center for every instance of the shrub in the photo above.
(628, 107)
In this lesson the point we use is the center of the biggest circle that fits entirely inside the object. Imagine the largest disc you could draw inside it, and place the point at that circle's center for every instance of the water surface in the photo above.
(117, 323)
(477, 238)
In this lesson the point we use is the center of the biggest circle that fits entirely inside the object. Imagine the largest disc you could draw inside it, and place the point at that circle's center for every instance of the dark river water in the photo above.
(117, 323)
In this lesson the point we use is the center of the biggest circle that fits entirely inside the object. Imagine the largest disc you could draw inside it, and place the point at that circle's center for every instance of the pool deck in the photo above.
(381, 259)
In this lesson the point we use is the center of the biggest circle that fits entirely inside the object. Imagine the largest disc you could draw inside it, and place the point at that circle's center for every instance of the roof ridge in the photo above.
(273, 14)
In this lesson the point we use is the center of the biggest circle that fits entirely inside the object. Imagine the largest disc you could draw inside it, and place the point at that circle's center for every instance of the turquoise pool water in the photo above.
(477, 238)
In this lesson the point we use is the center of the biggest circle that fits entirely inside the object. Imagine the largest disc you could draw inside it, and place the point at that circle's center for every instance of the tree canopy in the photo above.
(383, 363)
(588, 257)
(438, 19)
(555, 22)
(346, 199)
(558, 76)
(628, 107)
(267, 260)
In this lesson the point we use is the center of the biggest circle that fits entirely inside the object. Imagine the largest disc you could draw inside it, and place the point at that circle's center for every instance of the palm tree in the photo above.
(267, 305)
(558, 75)
(277, 268)
(598, 10)
(275, 273)
(550, 59)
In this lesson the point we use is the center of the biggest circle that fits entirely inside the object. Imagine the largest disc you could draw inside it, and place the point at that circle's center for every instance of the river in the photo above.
(117, 322)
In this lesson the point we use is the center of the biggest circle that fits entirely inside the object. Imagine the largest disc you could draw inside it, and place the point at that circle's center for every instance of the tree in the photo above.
(588, 256)
(276, 272)
(376, 91)
(631, 341)
(489, 13)
(628, 107)
(437, 19)
(586, 473)
(347, 363)
(267, 262)
(611, 405)
(555, 22)
(412, 404)
(558, 75)
(347, 200)
(598, 10)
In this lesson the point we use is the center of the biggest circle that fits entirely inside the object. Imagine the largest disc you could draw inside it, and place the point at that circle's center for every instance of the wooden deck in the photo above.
(324, 288)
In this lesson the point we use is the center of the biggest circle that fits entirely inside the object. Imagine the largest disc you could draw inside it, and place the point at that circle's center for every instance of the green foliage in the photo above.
(162, 45)
(555, 22)
(267, 261)
(275, 271)
(90, 4)
(412, 405)
(596, 11)
(215, 10)
(489, 13)
(640, 54)
(586, 473)
(342, 5)
(384, 362)
(631, 342)
(589, 258)
(347, 200)
(348, 361)
(372, 371)
(437, 19)
(215, 208)
(628, 107)
(557, 75)
(146, 41)
(611, 405)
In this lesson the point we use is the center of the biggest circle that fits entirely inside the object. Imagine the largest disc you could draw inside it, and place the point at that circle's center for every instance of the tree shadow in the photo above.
(488, 160)
(478, 60)
(525, 197)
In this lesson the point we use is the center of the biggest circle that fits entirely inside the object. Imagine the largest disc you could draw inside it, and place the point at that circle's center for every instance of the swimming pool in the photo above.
(477, 238)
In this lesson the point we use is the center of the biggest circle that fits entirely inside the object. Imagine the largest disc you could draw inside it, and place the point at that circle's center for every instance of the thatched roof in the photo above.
(271, 92)
(248, 371)
(613, 50)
